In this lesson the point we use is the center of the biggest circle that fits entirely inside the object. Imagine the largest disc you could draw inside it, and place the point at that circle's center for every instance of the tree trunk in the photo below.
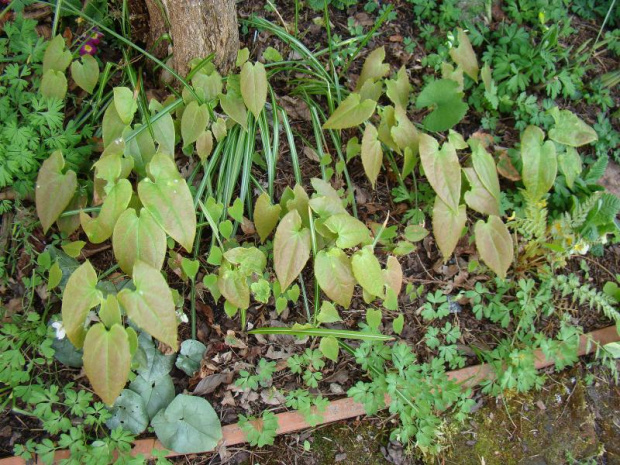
(197, 28)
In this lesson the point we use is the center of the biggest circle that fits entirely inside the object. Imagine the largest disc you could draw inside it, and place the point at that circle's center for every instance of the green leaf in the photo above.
(54, 190)
(329, 347)
(219, 129)
(125, 104)
(155, 395)
(112, 126)
(110, 312)
(190, 267)
(539, 162)
(53, 84)
(570, 165)
(334, 274)
(373, 317)
(107, 360)
(373, 68)
(494, 244)
(164, 134)
(442, 169)
(398, 90)
(56, 57)
(204, 145)
(210, 84)
(151, 306)
(478, 198)
(464, 55)
(129, 412)
(372, 155)
(350, 230)
(446, 102)
(86, 73)
(367, 271)
(190, 357)
(152, 364)
(188, 425)
(261, 290)
(242, 56)
(169, 200)
(81, 294)
(233, 285)
(193, 122)
(398, 323)
(350, 113)
(234, 107)
(272, 55)
(138, 238)
(322, 332)
(447, 226)
(254, 87)
(415, 232)
(291, 248)
(485, 169)
(570, 129)
(101, 228)
(265, 216)
(226, 228)
(328, 313)
(404, 133)
(54, 276)
(248, 259)
(236, 211)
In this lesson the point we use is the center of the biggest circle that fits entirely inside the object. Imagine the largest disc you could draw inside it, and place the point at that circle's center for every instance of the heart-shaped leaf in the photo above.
(442, 169)
(328, 313)
(404, 133)
(350, 231)
(190, 357)
(188, 425)
(56, 57)
(372, 155)
(169, 200)
(86, 73)
(204, 145)
(112, 127)
(81, 294)
(250, 260)
(210, 84)
(155, 395)
(350, 113)
(54, 190)
(151, 306)
(329, 347)
(100, 229)
(53, 84)
(570, 129)
(393, 274)
(194, 122)
(291, 248)
(447, 226)
(265, 216)
(570, 165)
(164, 134)
(373, 68)
(478, 198)
(254, 87)
(485, 169)
(141, 150)
(494, 244)
(367, 271)
(446, 101)
(233, 285)
(125, 104)
(464, 55)
(129, 412)
(234, 107)
(138, 238)
(236, 210)
(539, 162)
(399, 89)
(107, 360)
(334, 274)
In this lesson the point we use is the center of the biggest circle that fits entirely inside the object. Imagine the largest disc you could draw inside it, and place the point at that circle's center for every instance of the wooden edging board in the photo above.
(343, 409)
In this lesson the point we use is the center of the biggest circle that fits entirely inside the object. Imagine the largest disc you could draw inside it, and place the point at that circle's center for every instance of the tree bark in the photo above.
(197, 28)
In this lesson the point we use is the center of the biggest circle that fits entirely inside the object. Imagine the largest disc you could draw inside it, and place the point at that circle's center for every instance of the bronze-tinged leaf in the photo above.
(265, 216)
(100, 229)
(373, 68)
(478, 198)
(372, 155)
(494, 244)
(81, 294)
(368, 272)
(333, 272)
(138, 238)
(485, 169)
(204, 145)
(405, 134)
(69, 224)
(399, 89)
(570, 129)
(54, 190)
(234, 287)
(393, 274)
(388, 121)
(254, 87)
(169, 201)
(107, 360)
(464, 55)
(505, 166)
(350, 113)
(447, 226)
(151, 306)
(540, 164)
(442, 169)
(291, 248)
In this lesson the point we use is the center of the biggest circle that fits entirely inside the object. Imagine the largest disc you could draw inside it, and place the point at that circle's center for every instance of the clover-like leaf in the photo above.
(193, 122)
(367, 271)
(447, 226)
(372, 155)
(446, 102)
(86, 73)
(350, 113)
(464, 55)
(54, 190)
(265, 216)
(150, 305)
(333, 272)
(494, 244)
(570, 130)
(107, 360)
(169, 201)
(442, 169)
(539, 162)
(254, 87)
(291, 248)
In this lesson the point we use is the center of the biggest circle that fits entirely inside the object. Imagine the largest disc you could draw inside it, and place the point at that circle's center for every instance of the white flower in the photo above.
(581, 247)
(182, 317)
(60, 330)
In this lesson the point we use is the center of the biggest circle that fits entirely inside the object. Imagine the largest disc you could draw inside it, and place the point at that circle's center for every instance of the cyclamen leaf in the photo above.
(334, 274)
(350, 113)
(464, 55)
(373, 68)
(53, 84)
(350, 231)
(193, 122)
(570, 129)
(291, 248)
(156, 395)
(367, 271)
(372, 155)
(107, 360)
(478, 198)
(539, 162)
(442, 169)
(169, 200)
(265, 216)
(138, 238)
(494, 244)
(101, 228)
(447, 226)
(151, 306)
(81, 294)
(54, 190)
(56, 57)
(399, 89)
(129, 412)
(125, 104)
(86, 73)
(254, 87)
(447, 103)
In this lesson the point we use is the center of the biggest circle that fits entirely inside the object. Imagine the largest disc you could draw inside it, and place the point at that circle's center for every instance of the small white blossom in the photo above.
(182, 317)
(60, 330)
